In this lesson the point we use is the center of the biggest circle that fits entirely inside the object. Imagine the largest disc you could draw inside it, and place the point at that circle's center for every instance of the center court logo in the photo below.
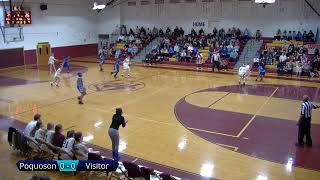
(117, 85)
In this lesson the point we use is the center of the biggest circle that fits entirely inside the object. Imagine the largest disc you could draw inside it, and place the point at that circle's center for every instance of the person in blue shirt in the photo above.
(65, 63)
(171, 51)
(81, 88)
(224, 51)
(298, 36)
(262, 71)
(116, 67)
(102, 56)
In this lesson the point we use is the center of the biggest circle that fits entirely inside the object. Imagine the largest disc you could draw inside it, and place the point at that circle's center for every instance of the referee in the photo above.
(304, 123)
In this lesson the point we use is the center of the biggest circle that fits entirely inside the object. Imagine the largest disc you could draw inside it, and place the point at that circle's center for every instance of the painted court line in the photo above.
(258, 111)
(224, 145)
(219, 99)
(136, 159)
(212, 132)
(133, 116)
(69, 128)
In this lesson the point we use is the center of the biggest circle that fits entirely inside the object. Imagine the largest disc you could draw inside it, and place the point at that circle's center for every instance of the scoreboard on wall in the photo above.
(17, 16)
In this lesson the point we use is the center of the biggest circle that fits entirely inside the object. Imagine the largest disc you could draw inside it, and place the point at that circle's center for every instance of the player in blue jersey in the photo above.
(116, 67)
(262, 72)
(65, 63)
(81, 88)
(102, 56)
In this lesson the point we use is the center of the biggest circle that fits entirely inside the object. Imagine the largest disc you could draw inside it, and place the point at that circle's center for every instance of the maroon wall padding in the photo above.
(60, 52)
(11, 57)
(30, 57)
(75, 51)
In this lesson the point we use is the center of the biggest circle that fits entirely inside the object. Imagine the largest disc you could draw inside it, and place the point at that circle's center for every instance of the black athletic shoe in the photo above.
(299, 145)
(79, 98)
(80, 102)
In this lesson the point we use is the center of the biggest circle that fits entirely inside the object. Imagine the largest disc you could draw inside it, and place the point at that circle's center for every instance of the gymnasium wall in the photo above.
(284, 14)
(68, 25)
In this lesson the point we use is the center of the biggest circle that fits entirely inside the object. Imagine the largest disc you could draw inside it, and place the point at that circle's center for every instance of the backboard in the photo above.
(12, 34)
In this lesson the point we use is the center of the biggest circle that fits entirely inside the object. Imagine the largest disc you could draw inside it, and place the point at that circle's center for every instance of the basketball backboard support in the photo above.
(12, 34)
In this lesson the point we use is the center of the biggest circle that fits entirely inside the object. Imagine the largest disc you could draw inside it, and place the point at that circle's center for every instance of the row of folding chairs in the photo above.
(33, 149)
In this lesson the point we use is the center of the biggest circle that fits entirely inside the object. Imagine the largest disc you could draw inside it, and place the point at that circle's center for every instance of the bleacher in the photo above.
(205, 52)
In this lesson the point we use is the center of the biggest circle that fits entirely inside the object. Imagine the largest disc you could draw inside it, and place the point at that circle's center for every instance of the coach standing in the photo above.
(304, 123)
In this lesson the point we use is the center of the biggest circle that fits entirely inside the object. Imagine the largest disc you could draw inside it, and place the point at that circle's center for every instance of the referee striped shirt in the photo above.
(306, 109)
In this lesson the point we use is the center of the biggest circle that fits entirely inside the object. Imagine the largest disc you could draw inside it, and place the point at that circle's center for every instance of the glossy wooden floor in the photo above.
(153, 132)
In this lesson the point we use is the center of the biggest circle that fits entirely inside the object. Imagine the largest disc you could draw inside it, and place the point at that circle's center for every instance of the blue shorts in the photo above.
(82, 91)
(101, 61)
(262, 73)
(66, 64)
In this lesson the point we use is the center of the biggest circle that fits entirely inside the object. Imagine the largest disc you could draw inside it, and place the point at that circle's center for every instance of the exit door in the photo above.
(43, 53)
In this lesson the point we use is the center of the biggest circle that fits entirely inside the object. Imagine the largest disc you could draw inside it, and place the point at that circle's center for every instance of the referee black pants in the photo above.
(215, 64)
(305, 130)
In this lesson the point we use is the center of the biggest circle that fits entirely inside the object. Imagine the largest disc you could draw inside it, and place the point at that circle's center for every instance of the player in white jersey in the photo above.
(56, 77)
(244, 72)
(68, 144)
(51, 63)
(126, 63)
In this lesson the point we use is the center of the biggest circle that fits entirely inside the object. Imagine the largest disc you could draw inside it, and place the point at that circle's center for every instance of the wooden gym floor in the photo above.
(190, 124)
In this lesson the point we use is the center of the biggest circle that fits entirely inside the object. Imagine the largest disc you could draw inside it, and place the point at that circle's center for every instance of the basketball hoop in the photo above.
(264, 2)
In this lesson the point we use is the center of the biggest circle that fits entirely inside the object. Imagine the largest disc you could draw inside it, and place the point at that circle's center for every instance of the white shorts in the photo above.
(125, 66)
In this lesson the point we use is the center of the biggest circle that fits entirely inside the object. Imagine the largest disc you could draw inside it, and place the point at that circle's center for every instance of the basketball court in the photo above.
(195, 123)
(190, 123)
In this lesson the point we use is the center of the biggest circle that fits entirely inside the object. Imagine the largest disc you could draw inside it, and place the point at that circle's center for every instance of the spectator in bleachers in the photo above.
(282, 62)
(310, 36)
(233, 55)
(316, 63)
(171, 51)
(168, 31)
(181, 32)
(298, 36)
(214, 32)
(294, 35)
(305, 36)
(224, 51)
(201, 32)
(155, 31)
(284, 35)
(290, 68)
(193, 32)
(246, 33)
(49, 134)
(29, 129)
(258, 35)
(137, 30)
(176, 31)
(289, 38)
(58, 137)
(290, 49)
(278, 35)
(161, 32)
(131, 32)
(183, 55)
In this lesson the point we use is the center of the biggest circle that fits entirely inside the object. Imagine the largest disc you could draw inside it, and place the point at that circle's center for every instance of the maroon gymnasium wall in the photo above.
(12, 57)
